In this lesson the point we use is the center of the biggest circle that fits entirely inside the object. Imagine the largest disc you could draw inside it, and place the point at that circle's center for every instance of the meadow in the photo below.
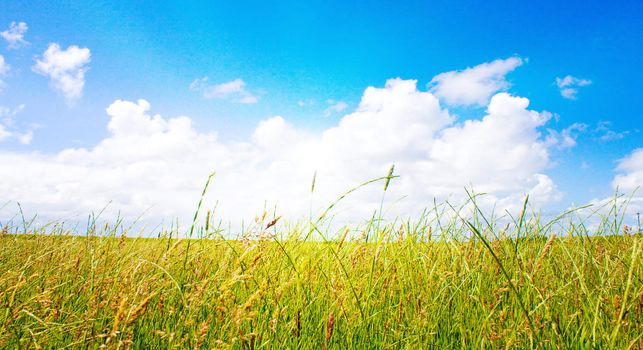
(453, 278)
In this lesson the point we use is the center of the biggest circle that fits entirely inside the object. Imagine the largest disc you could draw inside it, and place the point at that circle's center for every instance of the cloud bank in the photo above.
(157, 165)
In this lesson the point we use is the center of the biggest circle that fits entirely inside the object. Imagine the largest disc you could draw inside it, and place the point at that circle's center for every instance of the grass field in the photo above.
(428, 284)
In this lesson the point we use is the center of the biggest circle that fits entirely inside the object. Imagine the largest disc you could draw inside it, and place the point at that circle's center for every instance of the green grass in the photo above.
(452, 283)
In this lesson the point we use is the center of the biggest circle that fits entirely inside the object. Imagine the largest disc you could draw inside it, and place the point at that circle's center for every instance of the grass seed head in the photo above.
(330, 325)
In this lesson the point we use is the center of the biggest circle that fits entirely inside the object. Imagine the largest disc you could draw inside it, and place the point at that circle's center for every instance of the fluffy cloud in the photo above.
(569, 85)
(15, 35)
(627, 184)
(630, 172)
(234, 90)
(153, 164)
(65, 68)
(473, 86)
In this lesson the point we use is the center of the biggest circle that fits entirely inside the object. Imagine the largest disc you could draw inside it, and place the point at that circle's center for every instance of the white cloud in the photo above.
(475, 85)
(606, 134)
(502, 154)
(569, 85)
(7, 114)
(4, 69)
(15, 35)
(611, 135)
(4, 133)
(234, 90)
(629, 179)
(65, 68)
(627, 198)
(149, 161)
(306, 102)
(335, 107)
(567, 137)
(7, 129)
(630, 172)
(26, 137)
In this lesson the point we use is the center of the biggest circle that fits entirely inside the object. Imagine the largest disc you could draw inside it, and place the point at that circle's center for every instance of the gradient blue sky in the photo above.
(315, 51)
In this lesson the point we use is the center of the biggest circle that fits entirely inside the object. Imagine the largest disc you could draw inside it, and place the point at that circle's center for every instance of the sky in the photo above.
(130, 106)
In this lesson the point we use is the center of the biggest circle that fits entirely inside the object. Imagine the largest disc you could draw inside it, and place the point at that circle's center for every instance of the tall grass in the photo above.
(453, 278)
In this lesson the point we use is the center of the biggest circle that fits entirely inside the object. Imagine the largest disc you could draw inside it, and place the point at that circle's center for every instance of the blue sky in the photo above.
(298, 59)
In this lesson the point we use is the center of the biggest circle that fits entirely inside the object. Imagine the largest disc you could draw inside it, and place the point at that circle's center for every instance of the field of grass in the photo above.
(458, 283)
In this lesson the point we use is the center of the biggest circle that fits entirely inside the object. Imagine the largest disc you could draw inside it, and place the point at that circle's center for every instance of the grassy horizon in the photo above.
(439, 282)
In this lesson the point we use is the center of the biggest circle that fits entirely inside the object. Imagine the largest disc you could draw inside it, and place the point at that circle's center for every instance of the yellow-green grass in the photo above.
(410, 286)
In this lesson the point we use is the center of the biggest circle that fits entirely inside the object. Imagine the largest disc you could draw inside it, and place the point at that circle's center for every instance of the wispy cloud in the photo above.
(65, 68)
(567, 137)
(569, 85)
(4, 133)
(4, 69)
(234, 90)
(334, 107)
(15, 35)
(605, 133)
(306, 102)
(7, 114)
(7, 128)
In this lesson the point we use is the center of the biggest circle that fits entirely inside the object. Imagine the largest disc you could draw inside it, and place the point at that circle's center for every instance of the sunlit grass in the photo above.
(465, 280)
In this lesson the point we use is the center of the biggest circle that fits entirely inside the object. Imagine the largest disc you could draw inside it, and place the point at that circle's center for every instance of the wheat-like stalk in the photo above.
(543, 253)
